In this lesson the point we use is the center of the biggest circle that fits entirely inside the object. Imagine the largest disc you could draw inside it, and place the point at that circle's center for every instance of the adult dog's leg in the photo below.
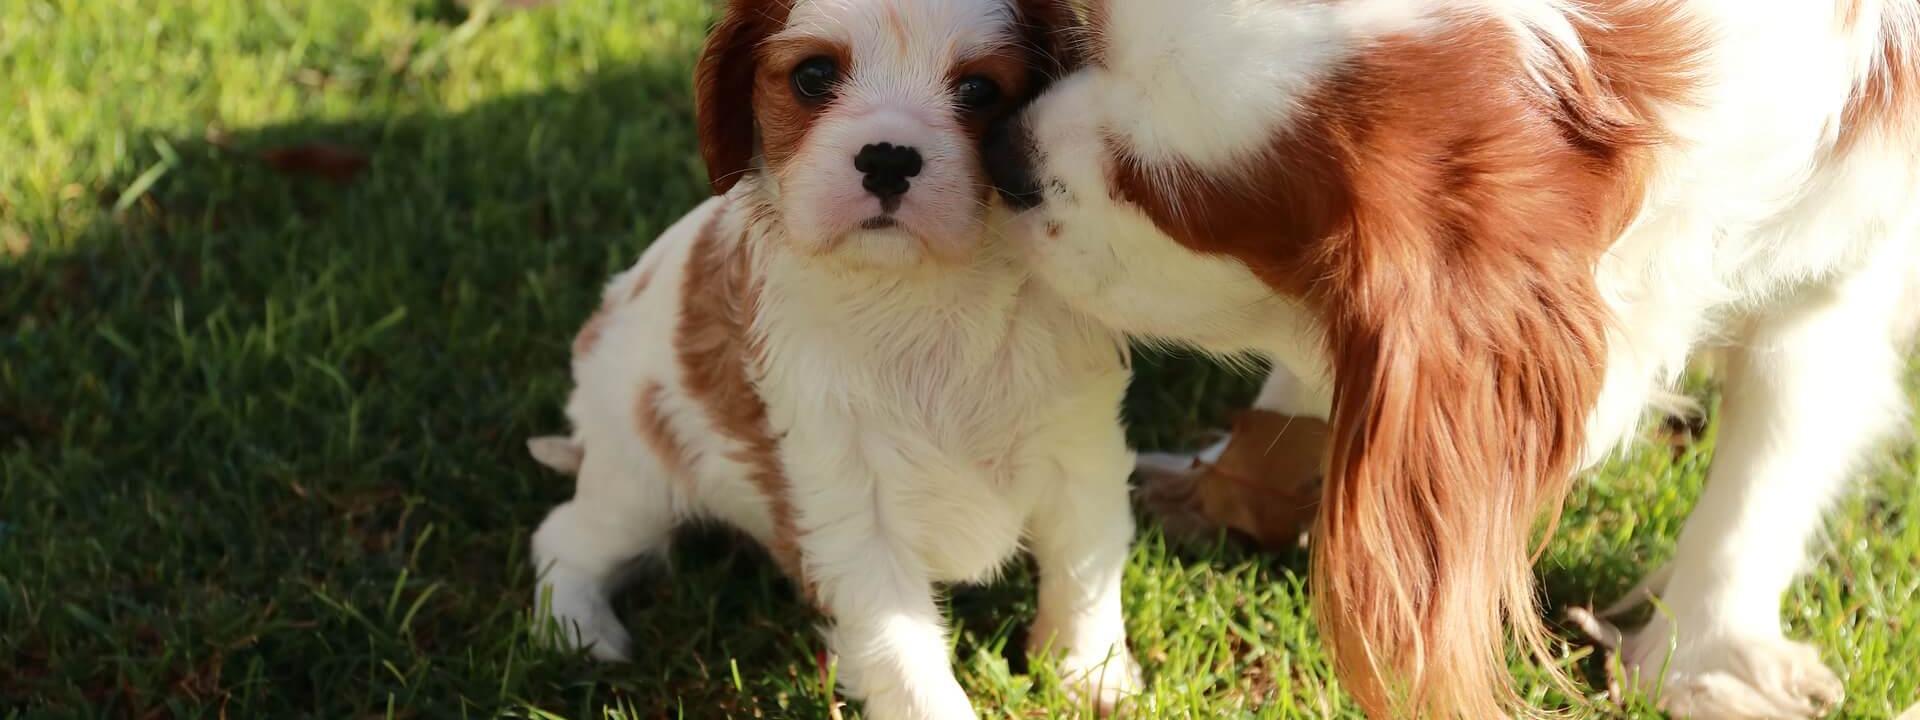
(1812, 386)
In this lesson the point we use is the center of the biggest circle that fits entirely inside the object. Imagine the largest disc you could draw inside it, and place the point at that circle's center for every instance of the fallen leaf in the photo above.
(506, 4)
(14, 241)
(1265, 483)
(337, 163)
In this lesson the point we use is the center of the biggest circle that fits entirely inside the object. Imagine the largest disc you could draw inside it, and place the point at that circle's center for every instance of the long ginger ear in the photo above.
(723, 88)
(1459, 417)
(1468, 339)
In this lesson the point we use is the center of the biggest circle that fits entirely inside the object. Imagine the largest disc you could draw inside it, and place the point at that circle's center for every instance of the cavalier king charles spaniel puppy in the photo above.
(1478, 237)
(842, 356)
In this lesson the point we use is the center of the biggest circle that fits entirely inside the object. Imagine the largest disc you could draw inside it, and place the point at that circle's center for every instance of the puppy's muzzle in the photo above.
(1009, 157)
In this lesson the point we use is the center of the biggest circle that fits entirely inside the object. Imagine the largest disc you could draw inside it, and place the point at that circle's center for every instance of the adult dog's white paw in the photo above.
(1108, 681)
(582, 616)
(936, 703)
(1756, 677)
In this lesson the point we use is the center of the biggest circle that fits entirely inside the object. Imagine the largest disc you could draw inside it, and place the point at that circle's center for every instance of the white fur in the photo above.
(1754, 232)
(934, 412)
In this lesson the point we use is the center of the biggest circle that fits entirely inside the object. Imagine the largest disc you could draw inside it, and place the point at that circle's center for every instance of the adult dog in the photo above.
(1479, 236)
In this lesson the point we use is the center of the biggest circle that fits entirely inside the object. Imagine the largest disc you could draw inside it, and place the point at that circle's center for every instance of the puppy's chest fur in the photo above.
(960, 362)
(943, 385)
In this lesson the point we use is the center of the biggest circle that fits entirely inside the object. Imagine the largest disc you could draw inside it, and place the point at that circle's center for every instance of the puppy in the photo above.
(840, 356)
(1479, 236)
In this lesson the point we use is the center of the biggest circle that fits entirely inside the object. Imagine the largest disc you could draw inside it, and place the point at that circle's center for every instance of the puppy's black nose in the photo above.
(887, 167)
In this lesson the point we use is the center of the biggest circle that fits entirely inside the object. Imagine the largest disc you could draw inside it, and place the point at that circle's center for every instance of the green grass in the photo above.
(260, 433)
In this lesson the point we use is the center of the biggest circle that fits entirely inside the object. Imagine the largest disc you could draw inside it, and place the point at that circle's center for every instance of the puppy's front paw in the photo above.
(1758, 677)
(582, 618)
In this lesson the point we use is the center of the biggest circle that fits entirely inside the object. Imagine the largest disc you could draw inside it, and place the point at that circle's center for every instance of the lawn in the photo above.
(284, 285)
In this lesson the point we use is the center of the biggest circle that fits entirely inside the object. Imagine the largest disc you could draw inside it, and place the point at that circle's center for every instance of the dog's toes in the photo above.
(1597, 630)
(1747, 678)
(580, 617)
(1107, 683)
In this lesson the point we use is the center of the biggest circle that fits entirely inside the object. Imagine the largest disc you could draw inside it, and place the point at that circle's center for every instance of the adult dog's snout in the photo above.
(1009, 158)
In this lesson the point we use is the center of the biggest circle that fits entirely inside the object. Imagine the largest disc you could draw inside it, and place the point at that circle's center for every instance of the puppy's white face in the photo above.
(868, 116)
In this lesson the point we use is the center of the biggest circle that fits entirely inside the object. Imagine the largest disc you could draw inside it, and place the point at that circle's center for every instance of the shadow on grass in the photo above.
(261, 426)
(262, 429)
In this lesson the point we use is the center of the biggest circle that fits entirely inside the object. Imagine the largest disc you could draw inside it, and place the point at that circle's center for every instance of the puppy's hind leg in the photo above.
(621, 512)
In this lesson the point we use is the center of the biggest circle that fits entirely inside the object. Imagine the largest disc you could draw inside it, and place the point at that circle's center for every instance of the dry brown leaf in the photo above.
(14, 241)
(1265, 485)
(338, 163)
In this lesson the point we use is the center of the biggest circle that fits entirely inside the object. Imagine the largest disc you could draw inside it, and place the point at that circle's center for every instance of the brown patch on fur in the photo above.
(1053, 33)
(1444, 214)
(643, 280)
(1849, 14)
(717, 354)
(783, 118)
(1010, 67)
(1015, 69)
(590, 333)
(658, 433)
(1888, 97)
(1090, 43)
(724, 87)
(744, 97)
(1041, 52)
(896, 24)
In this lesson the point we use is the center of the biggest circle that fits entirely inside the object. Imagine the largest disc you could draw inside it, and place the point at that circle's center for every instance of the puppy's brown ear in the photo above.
(723, 87)
(1052, 31)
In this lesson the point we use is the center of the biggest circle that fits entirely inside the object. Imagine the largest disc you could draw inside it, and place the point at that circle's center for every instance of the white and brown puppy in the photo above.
(1478, 236)
(842, 357)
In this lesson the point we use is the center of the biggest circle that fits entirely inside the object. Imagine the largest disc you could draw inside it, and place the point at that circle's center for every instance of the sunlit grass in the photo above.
(260, 431)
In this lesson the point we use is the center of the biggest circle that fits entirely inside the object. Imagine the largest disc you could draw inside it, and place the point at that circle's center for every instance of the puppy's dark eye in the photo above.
(976, 92)
(814, 79)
